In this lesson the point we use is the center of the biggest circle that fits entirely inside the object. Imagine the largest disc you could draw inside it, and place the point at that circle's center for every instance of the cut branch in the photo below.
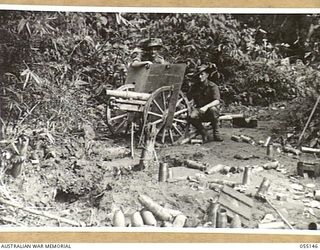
(42, 213)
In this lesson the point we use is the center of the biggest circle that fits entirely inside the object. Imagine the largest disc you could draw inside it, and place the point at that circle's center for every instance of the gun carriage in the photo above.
(150, 96)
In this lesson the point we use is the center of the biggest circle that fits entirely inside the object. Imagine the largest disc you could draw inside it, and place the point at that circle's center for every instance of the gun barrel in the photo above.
(128, 94)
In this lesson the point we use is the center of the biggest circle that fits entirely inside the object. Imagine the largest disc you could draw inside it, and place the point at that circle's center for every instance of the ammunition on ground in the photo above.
(222, 219)
(314, 226)
(263, 189)
(292, 150)
(163, 172)
(213, 213)
(136, 220)
(236, 222)
(148, 218)
(196, 141)
(215, 169)
(170, 173)
(270, 150)
(196, 165)
(316, 195)
(236, 138)
(310, 150)
(246, 138)
(118, 219)
(246, 176)
(179, 221)
(271, 165)
(215, 186)
(223, 182)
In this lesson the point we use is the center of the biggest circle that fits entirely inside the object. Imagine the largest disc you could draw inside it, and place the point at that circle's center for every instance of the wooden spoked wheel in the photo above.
(157, 111)
(118, 120)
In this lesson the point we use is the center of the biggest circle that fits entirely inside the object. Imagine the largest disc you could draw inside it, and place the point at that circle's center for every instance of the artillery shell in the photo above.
(184, 141)
(314, 226)
(228, 169)
(213, 213)
(246, 138)
(222, 219)
(310, 150)
(196, 141)
(179, 221)
(195, 165)
(159, 212)
(246, 176)
(215, 186)
(215, 169)
(118, 219)
(236, 138)
(263, 189)
(136, 220)
(163, 172)
(316, 195)
(223, 182)
(170, 173)
(294, 151)
(271, 165)
(148, 218)
(270, 150)
(236, 222)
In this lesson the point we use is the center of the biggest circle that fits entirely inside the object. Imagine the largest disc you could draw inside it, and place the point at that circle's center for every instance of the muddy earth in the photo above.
(82, 180)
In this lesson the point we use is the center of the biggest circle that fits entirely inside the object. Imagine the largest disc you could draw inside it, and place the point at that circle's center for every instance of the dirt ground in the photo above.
(86, 181)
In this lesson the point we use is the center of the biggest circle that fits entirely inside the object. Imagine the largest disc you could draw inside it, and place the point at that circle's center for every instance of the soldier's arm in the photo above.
(210, 105)
(216, 99)
(136, 64)
(137, 60)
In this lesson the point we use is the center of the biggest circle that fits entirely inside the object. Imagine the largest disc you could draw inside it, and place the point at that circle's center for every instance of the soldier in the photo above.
(148, 53)
(206, 97)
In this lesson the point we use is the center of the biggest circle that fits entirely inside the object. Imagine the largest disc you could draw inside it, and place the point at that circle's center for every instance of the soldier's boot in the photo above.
(203, 132)
(200, 129)
(205, 136)
(216, 134)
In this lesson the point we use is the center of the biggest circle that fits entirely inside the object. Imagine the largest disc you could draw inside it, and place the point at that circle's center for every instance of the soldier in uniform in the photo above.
(206, 97)
(147, 53)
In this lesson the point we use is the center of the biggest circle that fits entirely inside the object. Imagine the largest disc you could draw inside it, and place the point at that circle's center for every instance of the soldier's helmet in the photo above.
(204, 68)
(151, 43)
(155, 42)
(208, 68)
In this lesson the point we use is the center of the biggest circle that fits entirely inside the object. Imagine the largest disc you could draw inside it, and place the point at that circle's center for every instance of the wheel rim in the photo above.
(118, 120)
(156, 111)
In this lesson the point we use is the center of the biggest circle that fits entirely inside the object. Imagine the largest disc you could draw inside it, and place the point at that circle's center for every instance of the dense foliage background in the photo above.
(55, 65)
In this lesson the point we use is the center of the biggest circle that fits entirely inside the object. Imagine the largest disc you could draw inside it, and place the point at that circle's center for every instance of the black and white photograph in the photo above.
(155, 120)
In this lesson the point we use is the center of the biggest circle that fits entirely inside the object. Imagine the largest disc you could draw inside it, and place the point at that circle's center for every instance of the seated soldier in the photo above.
(148, 53)
(206, 97)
